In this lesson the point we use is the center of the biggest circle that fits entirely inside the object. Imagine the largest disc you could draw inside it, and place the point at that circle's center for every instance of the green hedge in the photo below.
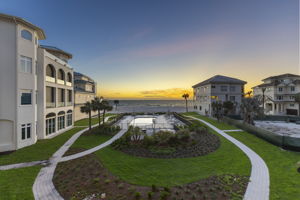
(286, 142)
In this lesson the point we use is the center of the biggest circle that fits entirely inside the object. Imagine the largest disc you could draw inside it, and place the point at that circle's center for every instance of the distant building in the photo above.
(217, 88)
(36, 86)
(279, 94)
(85, 90)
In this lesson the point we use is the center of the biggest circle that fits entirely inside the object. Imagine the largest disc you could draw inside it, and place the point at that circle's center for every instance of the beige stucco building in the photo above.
(279, 92)
(217, 88)
(85, 89)
(36, 84)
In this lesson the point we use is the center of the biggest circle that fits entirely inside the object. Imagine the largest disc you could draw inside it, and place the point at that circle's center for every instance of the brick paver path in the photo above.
(258, 187)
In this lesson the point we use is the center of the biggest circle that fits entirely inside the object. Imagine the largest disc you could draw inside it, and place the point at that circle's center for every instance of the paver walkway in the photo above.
(43, 187)
(258, 187)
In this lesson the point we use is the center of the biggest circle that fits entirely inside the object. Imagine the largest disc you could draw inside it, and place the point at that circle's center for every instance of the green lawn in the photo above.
(90, 141)
(85, 122)
(17, 183)
(42, 150)
(285, 180)
(228, 159)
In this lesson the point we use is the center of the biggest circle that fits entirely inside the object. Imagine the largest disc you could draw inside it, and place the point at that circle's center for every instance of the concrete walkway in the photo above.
(235, 130)
(21, 165)
(43, 187)
(258, 187)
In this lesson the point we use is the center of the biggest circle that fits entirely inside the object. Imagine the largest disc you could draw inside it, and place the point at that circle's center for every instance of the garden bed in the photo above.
(87, 178)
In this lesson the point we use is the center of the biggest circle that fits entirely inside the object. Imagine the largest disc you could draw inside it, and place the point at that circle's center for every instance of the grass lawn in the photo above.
(42, 150)
(228, 159)
(90, 141)
(17, 183)
(285, 180)
(85, 121)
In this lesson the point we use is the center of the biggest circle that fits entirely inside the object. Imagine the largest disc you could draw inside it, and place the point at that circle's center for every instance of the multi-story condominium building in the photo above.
(217, 88)
(279, 94)
(34, 84)
(85, 90)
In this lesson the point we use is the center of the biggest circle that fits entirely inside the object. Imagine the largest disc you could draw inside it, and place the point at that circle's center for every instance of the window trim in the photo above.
(26, 92)
(26, 127)
(24, 36)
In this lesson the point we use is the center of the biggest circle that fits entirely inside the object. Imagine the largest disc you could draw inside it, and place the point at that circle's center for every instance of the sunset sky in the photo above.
(158, 49)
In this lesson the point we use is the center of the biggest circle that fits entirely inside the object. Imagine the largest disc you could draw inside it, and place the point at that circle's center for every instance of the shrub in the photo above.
(107, 181)
(154, 188)
(164, 195)
(137, 195)
(150, 195)
(162, 137)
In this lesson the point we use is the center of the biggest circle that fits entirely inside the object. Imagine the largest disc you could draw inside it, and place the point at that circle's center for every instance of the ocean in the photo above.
(150, 106)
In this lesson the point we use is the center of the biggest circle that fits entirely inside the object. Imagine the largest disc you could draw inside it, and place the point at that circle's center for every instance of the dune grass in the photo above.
(41, 150)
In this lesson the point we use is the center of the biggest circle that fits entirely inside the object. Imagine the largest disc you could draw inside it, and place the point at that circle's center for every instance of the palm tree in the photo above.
(297, 100)
(186, 96)
(96, 103)
(116, 102)
(250, 108)
(105, 107)
(248, 93)
(87, 108)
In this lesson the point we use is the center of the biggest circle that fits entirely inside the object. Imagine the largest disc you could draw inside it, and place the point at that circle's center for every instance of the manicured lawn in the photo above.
(85, 122)
(228, 159)
(90, 141)
(285, 180)
(42, 150)
(17, 183)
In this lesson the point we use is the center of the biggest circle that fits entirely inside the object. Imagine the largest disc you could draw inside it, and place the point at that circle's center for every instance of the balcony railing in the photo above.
(61, 104)
(50, 104)
(69, 104)
(50, 79)
(68, 83)
(62, 82)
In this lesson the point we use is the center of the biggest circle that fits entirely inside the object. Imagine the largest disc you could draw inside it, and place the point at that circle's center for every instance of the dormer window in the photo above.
(26, 35)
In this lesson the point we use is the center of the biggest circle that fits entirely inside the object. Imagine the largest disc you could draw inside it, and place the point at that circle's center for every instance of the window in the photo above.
(292, 105)
(61, 122)
(280, 89)
(232, 98)
(26, 131)
(50, 126)
(69, 95)
(232, 88)
(26, 98)
(26, 35)
(292, 97)
(213, 86)
(69, 119)
(279, 97)
(200, 107)
(292, 88)
(223, 88)
(26, 64)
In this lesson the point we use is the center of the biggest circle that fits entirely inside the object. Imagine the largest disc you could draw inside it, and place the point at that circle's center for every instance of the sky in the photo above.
(159, 49)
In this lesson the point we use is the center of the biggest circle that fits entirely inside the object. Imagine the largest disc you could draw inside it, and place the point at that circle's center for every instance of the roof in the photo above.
(83, 75)
(282, 76)
(41, 34)
(57, 50)
(220, 79)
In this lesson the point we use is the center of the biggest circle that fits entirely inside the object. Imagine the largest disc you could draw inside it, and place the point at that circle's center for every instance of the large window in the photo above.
(223, 88)
(26, 131)
(26, 64)
(26, 97)
(26, 35)
(293, 88)
(61, 122)
(50, 123)
(69, 119)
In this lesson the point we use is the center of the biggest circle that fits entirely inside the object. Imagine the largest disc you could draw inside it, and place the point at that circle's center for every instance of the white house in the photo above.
(279, 92)
(217, 88)
(36, 91)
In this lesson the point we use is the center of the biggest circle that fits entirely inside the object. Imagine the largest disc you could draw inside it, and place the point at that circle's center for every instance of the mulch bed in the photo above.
(86, 178)
(205, 144)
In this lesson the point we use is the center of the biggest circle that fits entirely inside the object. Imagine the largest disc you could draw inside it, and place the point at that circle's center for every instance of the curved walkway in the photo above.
(258, 187)
(43, 187)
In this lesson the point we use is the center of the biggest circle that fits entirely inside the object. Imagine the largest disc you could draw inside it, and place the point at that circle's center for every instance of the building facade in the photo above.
(279, 94)
(24, 83)
(217, 88)
(85, 89)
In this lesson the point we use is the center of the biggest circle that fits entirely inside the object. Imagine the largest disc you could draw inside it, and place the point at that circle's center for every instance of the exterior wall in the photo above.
(80, 99)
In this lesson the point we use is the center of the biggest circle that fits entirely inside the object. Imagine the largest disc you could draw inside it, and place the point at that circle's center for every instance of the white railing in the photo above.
(61, 104)
(62, 82)
(50, 104)
(68, 83)
(50, 79)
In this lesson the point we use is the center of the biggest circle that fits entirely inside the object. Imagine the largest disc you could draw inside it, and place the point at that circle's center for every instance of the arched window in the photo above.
(61, 74)
(50, 71)
(50, 123)
(26, 35)
(69, 118)
(69, 111)
(69, 77)
(50, 115)
(61, 120)
(61, 113)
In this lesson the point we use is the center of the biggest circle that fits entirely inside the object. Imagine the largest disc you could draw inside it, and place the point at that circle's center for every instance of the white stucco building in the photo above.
(85, 89)
(217, 88)
(36, 86)
(279, 92)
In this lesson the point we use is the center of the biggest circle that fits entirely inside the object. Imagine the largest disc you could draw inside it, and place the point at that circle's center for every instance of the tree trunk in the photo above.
(186, 105)
(90, 120)
(103, 116)
(99, 117)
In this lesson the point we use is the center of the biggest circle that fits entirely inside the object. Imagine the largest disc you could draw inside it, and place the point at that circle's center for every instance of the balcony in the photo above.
(69, 104)
(68, 84)
(61, 104)
(62, 82)
(50, 79)
(50, 104)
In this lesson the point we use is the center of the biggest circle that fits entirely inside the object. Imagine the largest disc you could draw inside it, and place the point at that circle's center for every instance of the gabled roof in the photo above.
(220, 79)
(282, 76)
(14, 19)
(57, 50)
